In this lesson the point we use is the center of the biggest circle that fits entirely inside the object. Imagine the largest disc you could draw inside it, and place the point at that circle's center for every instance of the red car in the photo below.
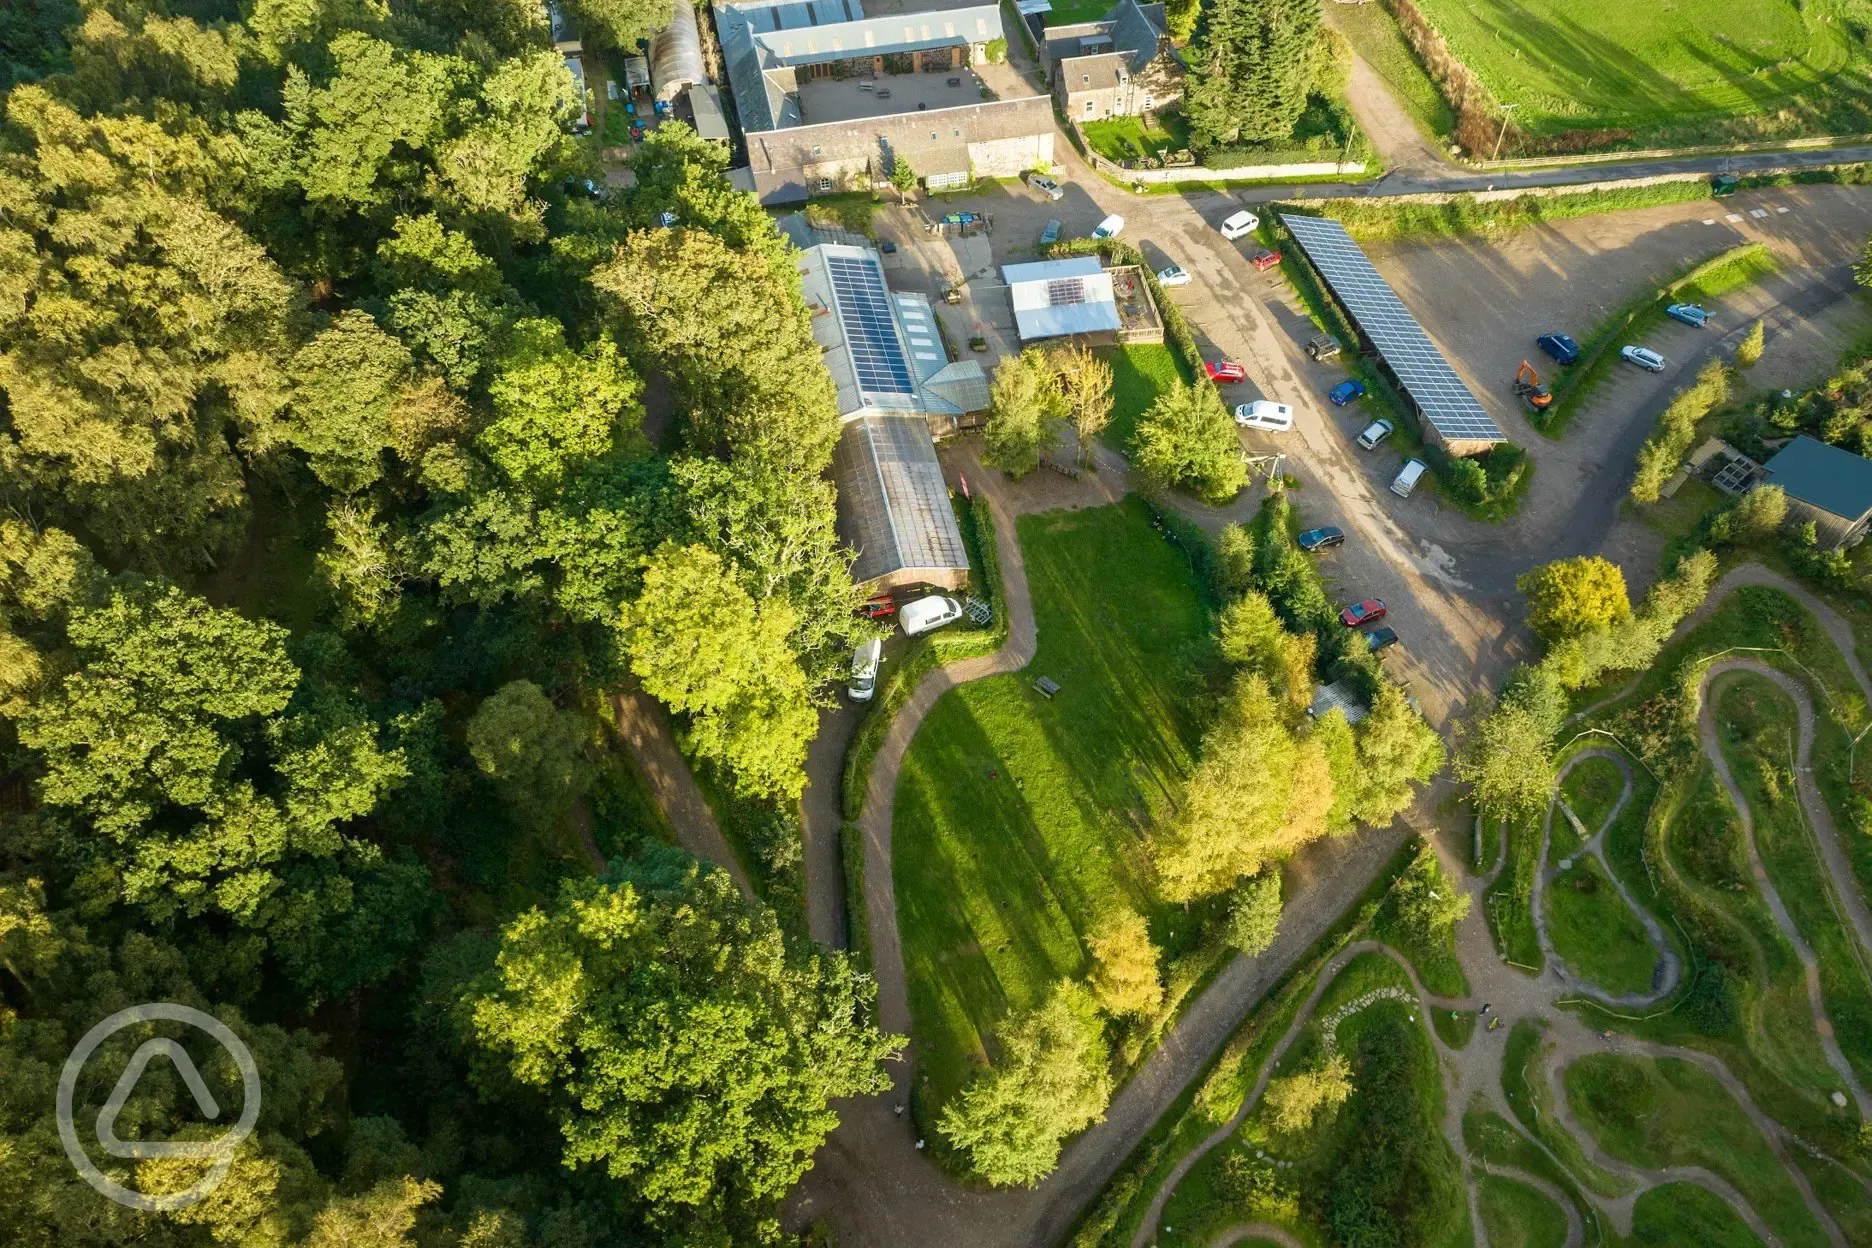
(1362, 613)
(1226, 370)
(879, 607)
(1264, 260)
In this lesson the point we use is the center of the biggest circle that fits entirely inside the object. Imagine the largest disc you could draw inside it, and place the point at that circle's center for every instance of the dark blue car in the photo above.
(1321, 539)
(1346, 392)
(1559, 346)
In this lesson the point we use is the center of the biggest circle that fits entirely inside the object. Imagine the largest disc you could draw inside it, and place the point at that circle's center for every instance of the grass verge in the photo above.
(1595, 933)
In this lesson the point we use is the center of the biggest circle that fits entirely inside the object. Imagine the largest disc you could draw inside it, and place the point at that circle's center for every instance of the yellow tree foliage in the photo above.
(1572, 596)
(1294, 1102)
(1124, 965)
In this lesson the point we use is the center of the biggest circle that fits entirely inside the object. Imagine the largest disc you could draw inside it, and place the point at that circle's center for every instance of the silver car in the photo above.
(1643, 357)
(1046, 186)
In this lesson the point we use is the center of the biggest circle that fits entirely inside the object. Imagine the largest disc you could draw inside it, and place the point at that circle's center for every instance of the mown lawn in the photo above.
(1596, 933)
(1517, 1216)
(1109, 138)
(1676, 69)
(1140, 373)
(1684, 1213)
(1019, 819)
(1669, 1112)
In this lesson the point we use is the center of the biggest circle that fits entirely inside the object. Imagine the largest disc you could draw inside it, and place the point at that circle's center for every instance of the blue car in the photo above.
(1346, 392)
(1321, 539)
(1688, 313)
(1560, 346)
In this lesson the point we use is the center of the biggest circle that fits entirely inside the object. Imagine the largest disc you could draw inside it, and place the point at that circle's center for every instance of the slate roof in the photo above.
(1824, 476)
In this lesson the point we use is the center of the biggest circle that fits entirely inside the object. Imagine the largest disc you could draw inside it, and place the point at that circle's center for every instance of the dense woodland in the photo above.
(349, 448)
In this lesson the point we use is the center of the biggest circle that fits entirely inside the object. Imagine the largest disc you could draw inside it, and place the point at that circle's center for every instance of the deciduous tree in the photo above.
(1086, 394)
(1254, 912)
(1295, 1102)
(532, 749)
(1025, 410)
(1571, 596)
(682, 1047)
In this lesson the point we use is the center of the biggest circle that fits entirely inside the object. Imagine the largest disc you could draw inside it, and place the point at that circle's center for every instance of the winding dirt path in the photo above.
(645, 728)
(1818, 818)
(1576, 1227)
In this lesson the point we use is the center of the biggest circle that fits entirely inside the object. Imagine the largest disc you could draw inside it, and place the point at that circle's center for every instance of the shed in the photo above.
(676, 53)
(1055, 298)
(1824, 484)
(894, 508)
(1339, 696)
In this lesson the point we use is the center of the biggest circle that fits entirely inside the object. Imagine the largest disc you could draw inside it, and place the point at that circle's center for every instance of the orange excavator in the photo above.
(1527, 384)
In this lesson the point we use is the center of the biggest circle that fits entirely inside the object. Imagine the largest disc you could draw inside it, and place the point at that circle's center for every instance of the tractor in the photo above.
(1527, 384)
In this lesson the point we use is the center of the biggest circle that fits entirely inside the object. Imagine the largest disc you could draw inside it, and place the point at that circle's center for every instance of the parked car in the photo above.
(1050, 234)
(1380, 639)
(1408, 476)
(1323, 346)
(1225, 370)
(879, 607)
(1643, 357)
(1560, 346)
(1175, 275)
(1367, 612)
(864, 671)
(1346, 393)
(1240, 223)
(1046, 186)
(1265, 414)
(1110, 227)
(1263, 260)
(1689, 314)
(1321, 539)
(1375, 433)
(1723, 185)
(926, 615)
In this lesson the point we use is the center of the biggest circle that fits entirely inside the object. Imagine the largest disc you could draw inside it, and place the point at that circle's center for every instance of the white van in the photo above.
(1265, 414)
(1408, 476)
(865, 662)
(1242, 223)
(926, 615)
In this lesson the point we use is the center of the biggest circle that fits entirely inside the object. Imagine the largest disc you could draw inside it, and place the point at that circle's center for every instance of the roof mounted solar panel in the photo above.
(1425, 374)
(870, 332)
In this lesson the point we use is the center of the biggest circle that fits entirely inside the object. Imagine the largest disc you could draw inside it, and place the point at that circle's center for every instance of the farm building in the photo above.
(1080, 297)
(1831, 487)
(1119, 66)
(1447, 412)
(895, 384)
(829, 99)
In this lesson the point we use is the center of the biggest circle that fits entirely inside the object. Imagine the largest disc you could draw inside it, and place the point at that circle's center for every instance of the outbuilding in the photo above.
(1824, 484)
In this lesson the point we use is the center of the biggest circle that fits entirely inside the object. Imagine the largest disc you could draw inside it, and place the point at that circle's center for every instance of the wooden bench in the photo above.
(1047, 686)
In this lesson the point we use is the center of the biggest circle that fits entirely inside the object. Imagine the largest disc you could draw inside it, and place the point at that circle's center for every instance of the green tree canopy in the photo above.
(532, 749)
(681, 1045)
(1187, 440)
(1571, 596)
(1025, 409)
(1254, 913)
(1252, 71)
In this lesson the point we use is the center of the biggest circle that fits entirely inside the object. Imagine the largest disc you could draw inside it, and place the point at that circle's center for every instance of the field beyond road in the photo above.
(1667, 73)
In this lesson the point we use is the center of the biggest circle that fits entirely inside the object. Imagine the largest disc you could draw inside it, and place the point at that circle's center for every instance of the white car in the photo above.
(1110, 227)
(1375, 433)
(1045, 185)
(1643, 357)
(1243, 222)
(1265, 414)
(1175, 275)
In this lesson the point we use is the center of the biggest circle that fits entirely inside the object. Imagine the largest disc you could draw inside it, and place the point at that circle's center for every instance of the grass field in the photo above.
(1662, 73)
(1591, 788)
(1517, 1216)
(1491, 1138)
(1673, 1214)
(1510, 901)
(1596, 933)
(1018, 818)
(1668, 1112)
(1109, 138)
(1140, 373)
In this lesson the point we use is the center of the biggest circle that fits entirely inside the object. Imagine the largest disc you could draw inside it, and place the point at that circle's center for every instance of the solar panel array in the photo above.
(1426, 376)
(870, 333)
(1064, 292)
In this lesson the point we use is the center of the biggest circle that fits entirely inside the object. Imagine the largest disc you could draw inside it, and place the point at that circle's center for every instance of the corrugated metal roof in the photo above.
(1053, 298)
(893, 505)
(1823, 476)
(676, 53)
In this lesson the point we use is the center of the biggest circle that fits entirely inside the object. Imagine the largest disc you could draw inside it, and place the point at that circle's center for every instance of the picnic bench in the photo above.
(1047, 686)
